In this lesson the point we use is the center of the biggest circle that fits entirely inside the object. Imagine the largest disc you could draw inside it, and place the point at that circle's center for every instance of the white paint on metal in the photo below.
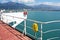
(53, 38)
(52, 30)
(15, 16)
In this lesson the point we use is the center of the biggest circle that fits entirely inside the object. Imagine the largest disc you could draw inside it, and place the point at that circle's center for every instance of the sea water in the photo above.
(51, 31)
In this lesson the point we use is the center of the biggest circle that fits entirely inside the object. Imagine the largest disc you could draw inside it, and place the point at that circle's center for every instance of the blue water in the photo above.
(43, 16)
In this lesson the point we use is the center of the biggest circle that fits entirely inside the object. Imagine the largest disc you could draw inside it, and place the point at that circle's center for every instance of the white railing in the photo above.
(24, 31)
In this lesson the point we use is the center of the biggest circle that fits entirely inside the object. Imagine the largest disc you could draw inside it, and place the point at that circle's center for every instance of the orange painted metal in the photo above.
(8, 33)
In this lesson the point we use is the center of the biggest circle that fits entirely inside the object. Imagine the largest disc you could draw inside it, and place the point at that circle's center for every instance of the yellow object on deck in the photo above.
(35, 27)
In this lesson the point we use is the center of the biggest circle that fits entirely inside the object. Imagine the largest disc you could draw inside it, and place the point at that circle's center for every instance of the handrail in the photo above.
(52, 21)
(52, 30)
(26, 19)
(53, 38)
(36, 22)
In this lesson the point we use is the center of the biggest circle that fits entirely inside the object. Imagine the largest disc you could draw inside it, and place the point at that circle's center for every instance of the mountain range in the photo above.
(13, 5)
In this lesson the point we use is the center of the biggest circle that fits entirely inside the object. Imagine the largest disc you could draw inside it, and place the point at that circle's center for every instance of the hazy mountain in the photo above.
(46, 7)
(13, 5)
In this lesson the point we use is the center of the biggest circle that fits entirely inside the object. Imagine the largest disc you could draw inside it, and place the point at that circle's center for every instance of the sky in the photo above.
(35, 2)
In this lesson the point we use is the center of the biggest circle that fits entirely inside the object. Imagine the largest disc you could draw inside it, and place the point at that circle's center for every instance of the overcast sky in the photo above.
(35, 2)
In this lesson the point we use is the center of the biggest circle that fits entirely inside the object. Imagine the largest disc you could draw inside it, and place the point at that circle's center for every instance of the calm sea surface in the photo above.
(51, 31)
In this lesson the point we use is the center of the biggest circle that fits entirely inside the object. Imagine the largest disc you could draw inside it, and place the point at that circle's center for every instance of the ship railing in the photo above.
(34, 21)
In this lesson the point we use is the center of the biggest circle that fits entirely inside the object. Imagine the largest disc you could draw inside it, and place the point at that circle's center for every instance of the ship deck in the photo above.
(8, 33)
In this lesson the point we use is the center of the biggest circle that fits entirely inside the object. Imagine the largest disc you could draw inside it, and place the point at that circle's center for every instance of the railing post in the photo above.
(24, 31)
(41, 31)
(0, 15)
(13, 22)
